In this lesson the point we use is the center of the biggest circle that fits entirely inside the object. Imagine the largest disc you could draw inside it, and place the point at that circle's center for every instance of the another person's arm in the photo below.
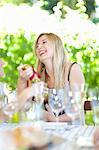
(96, 138)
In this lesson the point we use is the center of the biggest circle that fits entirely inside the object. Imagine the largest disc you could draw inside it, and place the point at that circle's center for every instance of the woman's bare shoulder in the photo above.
(77, 73)
(76, 68)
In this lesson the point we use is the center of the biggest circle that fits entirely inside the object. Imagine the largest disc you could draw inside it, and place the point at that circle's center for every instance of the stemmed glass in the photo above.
(10, 109)
(12, 106)
(57, 101)
(94, 98)
(3, 96)
(40, 91)
(93, 93)
(9, 103)
(75, 109)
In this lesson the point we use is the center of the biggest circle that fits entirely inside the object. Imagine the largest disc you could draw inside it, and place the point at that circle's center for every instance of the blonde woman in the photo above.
(53, 68)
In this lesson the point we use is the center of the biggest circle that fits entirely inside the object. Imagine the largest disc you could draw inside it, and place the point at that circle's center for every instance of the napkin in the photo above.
(85, 141)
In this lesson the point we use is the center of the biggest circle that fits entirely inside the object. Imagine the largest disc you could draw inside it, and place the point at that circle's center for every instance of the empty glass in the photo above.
(3, 96)
(10, 109)
(40, 91)
(75, 108)
(93, 96)
(95, 108)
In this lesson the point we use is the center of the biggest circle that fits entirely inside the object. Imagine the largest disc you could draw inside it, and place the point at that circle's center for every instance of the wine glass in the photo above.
(57, 101)
(3, 95)
(75, 109)
(93, 97)
(10, 109)
(40, 91)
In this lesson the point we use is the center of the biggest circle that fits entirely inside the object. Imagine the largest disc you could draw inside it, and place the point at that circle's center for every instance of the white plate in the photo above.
(85, 142)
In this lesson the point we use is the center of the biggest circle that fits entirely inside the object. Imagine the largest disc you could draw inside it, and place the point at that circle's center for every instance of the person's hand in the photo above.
(34, 90)
(96, 138)
(49, 115)
(25, 71)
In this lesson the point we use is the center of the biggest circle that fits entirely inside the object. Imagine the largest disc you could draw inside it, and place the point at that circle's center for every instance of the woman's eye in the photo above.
(44, 42)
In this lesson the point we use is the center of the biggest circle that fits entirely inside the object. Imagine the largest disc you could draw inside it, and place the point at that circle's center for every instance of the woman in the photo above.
(53, 68)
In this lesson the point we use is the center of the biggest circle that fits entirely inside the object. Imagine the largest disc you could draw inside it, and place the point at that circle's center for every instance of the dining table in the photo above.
(73, 137)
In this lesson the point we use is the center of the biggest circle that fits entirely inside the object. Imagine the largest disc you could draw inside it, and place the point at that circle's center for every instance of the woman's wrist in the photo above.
(51, 117)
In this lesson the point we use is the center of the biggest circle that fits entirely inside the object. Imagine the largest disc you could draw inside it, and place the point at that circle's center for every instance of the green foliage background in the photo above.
(87, 55)
(18, 48)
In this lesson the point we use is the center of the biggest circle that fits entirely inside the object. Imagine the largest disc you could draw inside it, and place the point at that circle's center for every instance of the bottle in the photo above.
(35, 76)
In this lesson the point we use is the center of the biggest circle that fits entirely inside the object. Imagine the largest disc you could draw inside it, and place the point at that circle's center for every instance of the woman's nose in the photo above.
(39, 46)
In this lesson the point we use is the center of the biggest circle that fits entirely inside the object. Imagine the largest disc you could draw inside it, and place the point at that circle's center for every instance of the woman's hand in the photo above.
(49, 115)
(25, 71)
(34, 90)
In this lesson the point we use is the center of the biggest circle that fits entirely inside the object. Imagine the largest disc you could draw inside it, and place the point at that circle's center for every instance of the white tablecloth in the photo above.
(76, 137)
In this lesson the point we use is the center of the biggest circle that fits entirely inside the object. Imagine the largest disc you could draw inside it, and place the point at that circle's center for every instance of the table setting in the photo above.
(34, 133)
(46, 136)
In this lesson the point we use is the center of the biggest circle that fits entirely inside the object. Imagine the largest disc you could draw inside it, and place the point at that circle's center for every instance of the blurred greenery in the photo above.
(89, 118)
(14, 50)
(49, 5)
(87, 5)
(18, 48)
(87, 56)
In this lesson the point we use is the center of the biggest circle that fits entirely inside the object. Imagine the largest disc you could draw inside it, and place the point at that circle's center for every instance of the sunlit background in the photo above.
(75, 21)
(34, 19)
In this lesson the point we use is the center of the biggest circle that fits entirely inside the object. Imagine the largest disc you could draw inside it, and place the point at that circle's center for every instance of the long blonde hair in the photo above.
(59, 61)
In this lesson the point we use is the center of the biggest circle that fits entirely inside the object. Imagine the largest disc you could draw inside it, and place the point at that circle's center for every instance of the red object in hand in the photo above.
(35, 75)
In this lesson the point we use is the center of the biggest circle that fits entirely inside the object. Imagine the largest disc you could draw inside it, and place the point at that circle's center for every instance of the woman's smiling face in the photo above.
(44, 48)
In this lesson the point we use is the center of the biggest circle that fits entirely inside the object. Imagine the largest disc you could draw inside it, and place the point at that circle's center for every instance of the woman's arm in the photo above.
(49, 116)
(22, 84)
(29, 92)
